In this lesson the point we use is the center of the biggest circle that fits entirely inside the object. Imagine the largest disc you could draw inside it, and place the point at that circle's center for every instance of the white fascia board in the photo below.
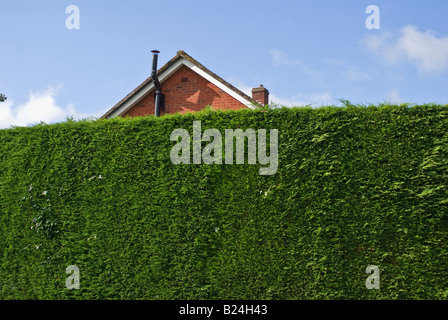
(219, 84)
(142, 93)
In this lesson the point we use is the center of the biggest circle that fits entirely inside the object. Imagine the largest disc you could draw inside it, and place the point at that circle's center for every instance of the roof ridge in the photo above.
(184, 55)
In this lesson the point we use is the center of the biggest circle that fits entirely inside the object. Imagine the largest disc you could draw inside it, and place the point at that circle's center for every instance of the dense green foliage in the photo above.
(355, 186)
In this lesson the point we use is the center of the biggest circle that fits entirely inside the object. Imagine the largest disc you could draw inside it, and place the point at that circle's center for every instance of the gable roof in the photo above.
(181, 59)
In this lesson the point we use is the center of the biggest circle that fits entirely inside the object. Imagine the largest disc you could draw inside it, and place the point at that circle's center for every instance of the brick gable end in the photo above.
(184, 91)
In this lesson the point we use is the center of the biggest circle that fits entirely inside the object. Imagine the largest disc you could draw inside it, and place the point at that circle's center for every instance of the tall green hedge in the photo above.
(356, 186)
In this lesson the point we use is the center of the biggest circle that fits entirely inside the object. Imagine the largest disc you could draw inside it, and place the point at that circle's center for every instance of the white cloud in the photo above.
(335, 61)
(41, 106)
(300, 99)
(280, 59)
(426, 51)
(393, 96)
(355, 74)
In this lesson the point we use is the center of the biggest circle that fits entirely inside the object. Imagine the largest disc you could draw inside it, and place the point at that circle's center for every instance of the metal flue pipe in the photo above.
(158, 94)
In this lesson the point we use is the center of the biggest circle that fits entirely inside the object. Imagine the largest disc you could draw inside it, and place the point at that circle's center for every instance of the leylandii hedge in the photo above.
(355, 186)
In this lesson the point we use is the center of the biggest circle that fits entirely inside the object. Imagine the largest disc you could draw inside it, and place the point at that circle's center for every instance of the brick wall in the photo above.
(184, 91)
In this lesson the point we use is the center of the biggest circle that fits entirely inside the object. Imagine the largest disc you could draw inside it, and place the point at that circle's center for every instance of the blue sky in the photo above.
(303, 52)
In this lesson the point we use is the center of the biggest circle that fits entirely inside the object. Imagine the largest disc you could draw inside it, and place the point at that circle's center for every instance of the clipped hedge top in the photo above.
(356, 186)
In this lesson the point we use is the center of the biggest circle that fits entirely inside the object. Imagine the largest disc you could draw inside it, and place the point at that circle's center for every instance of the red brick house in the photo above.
(186, 86)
